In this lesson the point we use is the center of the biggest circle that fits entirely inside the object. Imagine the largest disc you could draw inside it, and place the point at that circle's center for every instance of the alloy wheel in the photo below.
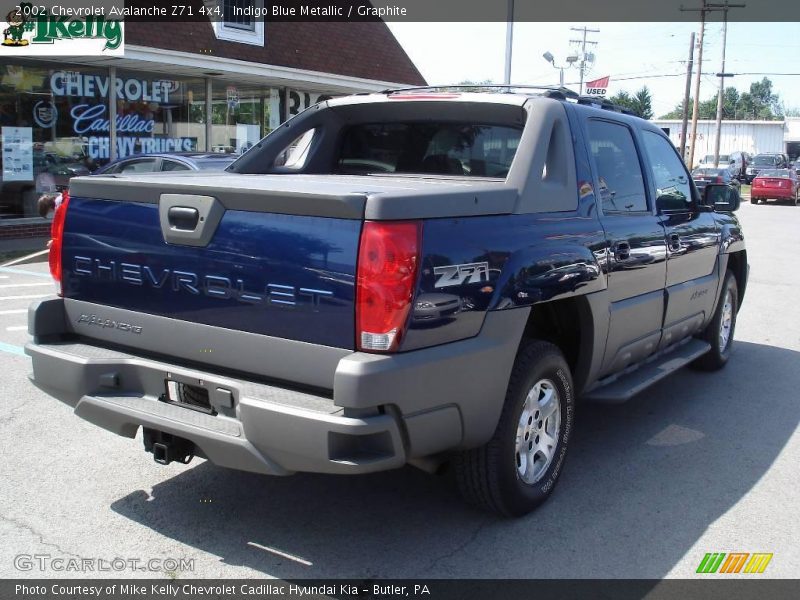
(537, 431)
(726, 324)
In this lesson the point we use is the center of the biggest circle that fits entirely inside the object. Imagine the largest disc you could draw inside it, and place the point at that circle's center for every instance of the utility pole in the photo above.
(722, 74)
(685, 116)
(583, 43)
(509, 41)
(696, 104)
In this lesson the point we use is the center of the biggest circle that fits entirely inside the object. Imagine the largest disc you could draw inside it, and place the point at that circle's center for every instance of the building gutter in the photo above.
(273, 75)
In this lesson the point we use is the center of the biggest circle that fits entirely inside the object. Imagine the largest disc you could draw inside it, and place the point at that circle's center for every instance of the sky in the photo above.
(633, 54)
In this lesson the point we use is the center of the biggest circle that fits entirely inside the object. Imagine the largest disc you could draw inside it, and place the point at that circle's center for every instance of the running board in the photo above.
(621, 388)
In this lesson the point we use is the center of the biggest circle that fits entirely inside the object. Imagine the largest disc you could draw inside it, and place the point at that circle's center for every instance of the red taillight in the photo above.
(718, 179)
(387, 272)
(57, 235)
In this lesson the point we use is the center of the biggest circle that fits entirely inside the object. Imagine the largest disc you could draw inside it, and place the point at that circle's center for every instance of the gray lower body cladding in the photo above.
(385, 410)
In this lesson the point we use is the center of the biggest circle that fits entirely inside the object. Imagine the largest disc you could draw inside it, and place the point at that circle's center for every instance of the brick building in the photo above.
(186, 86)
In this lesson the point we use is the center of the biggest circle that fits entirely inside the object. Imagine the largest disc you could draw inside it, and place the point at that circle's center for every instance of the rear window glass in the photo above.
(429, 148)
(213, 164)
(775, 173)
(765, 161)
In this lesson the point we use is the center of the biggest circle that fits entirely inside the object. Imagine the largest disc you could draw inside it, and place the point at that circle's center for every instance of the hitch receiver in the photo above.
(167, 448)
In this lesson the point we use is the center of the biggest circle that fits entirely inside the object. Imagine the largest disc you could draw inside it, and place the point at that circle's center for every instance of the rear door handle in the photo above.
(184, 218)
(622, 250)
(675, 243)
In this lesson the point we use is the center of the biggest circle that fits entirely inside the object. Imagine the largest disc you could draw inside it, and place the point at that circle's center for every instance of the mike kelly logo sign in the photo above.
(35, 30)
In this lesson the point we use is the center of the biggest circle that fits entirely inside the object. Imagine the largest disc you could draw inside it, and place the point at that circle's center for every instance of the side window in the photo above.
(673, 190)
(295, 154)
(145, 165)
(619, 173)
(173, 165)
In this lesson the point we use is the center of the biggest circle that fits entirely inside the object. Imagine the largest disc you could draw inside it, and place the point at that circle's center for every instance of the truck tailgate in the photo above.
(283, 275)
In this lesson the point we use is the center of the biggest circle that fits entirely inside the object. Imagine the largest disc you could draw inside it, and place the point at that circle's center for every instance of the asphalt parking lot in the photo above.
(700, 463)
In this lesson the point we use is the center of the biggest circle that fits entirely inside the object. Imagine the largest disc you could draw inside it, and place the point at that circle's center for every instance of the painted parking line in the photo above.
(26, 297)
(27, 257)
(17, 328)
(24, 272)
(16, 311)
(18, 350)
(16, 285)
(3, 276)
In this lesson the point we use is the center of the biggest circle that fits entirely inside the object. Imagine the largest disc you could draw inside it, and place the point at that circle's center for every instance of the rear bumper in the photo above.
(772, 194)
(257, 427)
(383, 412)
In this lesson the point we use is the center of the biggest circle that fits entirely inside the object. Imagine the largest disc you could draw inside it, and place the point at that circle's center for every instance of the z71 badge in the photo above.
(450, 275)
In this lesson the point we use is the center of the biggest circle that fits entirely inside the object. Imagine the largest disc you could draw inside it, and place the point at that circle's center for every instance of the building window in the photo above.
(234, 14)
(238, 23)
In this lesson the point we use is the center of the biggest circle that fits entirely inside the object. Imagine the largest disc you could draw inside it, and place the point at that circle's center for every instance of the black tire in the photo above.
(753, 200)
(488, 477)
(717, 357)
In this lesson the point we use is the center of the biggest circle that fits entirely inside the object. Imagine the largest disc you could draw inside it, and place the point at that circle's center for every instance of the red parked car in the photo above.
(776, 184)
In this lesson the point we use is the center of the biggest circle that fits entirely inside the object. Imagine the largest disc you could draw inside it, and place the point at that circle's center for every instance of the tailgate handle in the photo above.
(189, 219)
(184, 218)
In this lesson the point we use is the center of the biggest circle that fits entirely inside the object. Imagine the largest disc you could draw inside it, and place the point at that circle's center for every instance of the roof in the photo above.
(190, 155)
(410, 95)
(724, 121)
(356, 49)
(513, 95)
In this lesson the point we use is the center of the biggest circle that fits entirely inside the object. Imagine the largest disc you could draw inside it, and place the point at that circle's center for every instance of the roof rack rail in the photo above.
(604, 104)
(550, 90)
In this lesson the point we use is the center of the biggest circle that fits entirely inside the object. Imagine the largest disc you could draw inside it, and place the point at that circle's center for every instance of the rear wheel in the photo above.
(516, 470)
(753, 200)
(719, 333)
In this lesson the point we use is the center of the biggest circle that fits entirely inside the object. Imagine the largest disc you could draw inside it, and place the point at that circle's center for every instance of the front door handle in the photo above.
(675, 243)
(622, 250)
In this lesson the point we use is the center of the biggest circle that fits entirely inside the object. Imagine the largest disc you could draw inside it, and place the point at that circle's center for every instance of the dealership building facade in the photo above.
(187, 86)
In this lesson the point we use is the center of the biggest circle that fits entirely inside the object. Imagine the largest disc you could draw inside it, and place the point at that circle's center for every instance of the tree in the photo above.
(486, 82)
(641, 103)
(622, 99)
(759, 103)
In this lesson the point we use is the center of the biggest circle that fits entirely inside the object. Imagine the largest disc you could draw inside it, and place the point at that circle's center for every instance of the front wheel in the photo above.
(753, 200)
(719, 333)
(516, 470)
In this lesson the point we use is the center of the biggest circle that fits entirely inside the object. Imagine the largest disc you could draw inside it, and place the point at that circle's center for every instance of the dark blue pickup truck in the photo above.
(412, 277)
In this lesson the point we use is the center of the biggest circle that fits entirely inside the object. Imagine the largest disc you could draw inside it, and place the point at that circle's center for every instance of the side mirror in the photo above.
(721, 197)
(672, 200)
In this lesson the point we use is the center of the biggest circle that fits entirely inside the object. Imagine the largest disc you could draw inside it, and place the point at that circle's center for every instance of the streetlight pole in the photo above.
(509, 41)
(551, 59)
